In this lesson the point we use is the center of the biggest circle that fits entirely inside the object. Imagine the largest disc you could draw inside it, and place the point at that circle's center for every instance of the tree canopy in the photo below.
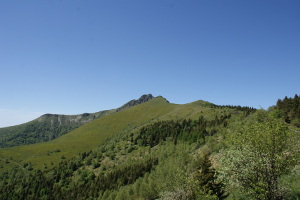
(257, 157)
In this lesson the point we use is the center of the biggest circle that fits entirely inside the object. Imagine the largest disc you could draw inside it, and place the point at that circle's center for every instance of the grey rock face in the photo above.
(144, 98)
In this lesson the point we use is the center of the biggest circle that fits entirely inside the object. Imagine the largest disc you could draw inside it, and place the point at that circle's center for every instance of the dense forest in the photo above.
(289, 109)
(240, 153)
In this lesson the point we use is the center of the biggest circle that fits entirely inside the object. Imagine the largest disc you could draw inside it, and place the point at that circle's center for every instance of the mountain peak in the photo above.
(144, 98)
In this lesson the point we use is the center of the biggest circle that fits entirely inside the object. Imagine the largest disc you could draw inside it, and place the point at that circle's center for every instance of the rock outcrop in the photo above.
(144, 98)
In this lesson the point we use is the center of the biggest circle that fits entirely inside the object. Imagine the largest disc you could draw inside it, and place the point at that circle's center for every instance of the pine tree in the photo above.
(207, 184)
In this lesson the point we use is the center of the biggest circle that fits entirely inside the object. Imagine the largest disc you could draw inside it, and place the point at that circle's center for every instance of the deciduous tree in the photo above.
(257, 157)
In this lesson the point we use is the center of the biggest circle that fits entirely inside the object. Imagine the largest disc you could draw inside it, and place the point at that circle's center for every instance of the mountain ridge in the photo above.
(50, 126)
(89, 135)
(94, 133)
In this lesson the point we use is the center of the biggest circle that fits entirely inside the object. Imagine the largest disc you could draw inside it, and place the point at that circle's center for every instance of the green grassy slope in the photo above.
(92, 134)
(45, 128)
(51, 126)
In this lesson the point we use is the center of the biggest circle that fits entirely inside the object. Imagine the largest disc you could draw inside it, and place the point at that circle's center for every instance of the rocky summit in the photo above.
(144, 98)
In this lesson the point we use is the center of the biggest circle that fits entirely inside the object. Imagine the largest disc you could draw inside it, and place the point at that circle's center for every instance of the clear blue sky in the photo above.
(71, 57)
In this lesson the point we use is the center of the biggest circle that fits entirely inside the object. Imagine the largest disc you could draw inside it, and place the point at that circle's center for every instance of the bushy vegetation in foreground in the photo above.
(257, 156)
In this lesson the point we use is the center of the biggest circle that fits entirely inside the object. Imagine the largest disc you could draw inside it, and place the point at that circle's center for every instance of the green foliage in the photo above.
(186, 130)
(248, 110)
(291, 183)
(205, 179)
(289, 110)
(257, 157)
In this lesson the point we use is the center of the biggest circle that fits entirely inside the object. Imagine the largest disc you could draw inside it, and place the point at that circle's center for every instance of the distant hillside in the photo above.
(45, 128)
(92, 134)
(51, 126)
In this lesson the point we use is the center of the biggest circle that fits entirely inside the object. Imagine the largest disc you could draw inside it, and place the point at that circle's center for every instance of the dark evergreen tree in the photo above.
(206, 181)
(290, 109)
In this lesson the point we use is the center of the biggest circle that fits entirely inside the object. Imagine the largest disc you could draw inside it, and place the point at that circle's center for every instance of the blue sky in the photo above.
(71, 57)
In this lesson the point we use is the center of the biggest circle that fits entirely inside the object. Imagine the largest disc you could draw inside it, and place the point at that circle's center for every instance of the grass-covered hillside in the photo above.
(160, 150)
(45, 128)
(88, 136)
(51, 126)
(92, 134)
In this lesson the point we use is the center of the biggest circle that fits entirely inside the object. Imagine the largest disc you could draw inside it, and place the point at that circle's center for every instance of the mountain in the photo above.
(45, 128)
(51, 126)
(94, 133)
(157, 150)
